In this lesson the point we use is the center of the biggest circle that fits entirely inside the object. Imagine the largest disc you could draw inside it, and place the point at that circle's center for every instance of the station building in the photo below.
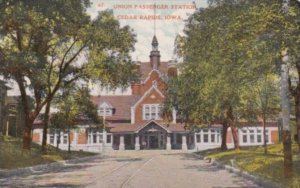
(134, 122)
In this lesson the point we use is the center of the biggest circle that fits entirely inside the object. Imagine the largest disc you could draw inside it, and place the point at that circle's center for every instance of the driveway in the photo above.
(136, 169)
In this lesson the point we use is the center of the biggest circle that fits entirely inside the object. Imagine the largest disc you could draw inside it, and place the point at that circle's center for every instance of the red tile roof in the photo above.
(258, 124)
(121, 103)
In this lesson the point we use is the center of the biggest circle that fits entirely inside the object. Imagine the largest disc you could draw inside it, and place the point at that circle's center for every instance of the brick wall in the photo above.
(161, 85)
(36, 137)
(71, 136)
(229, 137)
(153, 98)
(274, 136)
(82, 137)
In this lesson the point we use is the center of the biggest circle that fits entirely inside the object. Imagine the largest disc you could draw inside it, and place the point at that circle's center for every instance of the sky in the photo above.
(172, 14)
(138, 14)
(166, 29)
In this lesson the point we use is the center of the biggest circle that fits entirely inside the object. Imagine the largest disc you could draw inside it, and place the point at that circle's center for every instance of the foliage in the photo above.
(254, 161)
(12, 157)
(74, 106)
(229, 50)
(43, 47)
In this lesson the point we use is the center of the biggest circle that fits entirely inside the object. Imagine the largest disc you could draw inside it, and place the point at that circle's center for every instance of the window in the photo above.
(147, 112)
(51, 138)
(58, 137)
(251, 136)
(218, 136)
(108, 139)
(105, 109)
(65, 139)
(198, 137)
(94, 137)
(205, 135)
(212, 136)
(267, 136)
(105, 112)
(244, 134)
(151, 111)
(259, 136)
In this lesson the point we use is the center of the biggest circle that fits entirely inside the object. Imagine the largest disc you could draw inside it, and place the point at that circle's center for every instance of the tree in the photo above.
(292, 34)
(42, 37)
(227, 46)
(262, 103)
(74, 107)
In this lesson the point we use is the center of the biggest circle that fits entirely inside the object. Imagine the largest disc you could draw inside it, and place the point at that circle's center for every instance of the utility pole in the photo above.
(285, 106)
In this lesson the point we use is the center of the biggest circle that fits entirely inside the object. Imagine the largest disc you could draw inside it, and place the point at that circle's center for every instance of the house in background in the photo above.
(134, 121)
(11, 114)
(16, 116)
(3, 110)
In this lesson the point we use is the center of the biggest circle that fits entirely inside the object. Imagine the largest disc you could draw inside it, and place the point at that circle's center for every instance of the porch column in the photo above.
(184, 145)
(190, 139)
(122, 145)
(168, 141)
(104, 137)
(143, 141)
(137, 142)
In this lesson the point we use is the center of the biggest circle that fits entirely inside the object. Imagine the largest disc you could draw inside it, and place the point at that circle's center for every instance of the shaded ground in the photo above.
(159, 169)
(253, 160)
(12, 156)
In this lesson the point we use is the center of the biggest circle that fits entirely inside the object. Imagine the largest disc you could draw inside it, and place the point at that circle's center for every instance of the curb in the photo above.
(54, 166)
(259, 181)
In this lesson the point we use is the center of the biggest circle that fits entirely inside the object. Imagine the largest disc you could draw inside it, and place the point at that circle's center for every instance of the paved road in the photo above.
(135, 169)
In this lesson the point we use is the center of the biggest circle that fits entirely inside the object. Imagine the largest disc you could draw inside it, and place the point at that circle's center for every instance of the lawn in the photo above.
(253, 160)
(12, 156)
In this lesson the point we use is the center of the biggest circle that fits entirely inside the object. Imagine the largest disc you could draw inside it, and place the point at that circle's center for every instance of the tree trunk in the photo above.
(235, 137)
(27, 133)
(224, 136)
(29, 116)
(69, 140)
(57, 139)
(287, 150)
(264, 133)
(297, 112)
(230, 120)
(286, 128)
(45, 128)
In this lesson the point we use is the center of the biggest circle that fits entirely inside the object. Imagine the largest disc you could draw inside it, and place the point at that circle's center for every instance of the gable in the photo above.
(152, 95)
(152, 126)
(154, 79)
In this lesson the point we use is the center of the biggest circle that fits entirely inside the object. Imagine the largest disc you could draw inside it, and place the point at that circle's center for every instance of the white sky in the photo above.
(166, 30)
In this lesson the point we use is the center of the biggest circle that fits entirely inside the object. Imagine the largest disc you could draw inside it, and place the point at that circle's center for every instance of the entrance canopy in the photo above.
(152, 127)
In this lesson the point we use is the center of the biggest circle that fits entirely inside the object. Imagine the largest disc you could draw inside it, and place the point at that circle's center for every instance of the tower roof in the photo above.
(154, 41)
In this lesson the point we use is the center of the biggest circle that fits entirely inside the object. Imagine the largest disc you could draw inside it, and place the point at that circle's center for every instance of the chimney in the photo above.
(135, 89)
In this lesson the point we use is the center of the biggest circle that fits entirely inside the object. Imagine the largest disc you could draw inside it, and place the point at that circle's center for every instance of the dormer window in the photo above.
(105, 109)
(152, 111)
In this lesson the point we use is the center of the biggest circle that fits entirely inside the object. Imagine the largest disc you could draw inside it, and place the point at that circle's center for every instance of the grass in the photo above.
(254, 161)
(12, 156)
